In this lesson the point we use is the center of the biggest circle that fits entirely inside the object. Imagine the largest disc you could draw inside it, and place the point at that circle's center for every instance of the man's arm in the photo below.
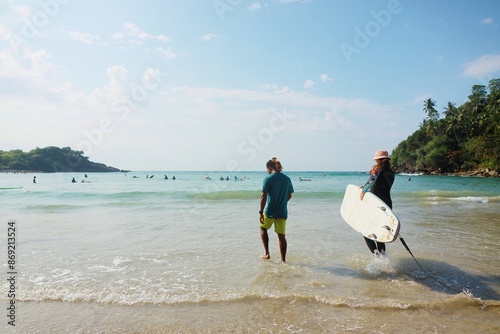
(263, 201)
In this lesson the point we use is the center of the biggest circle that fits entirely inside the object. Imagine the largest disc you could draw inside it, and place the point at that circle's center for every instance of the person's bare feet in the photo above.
(266, 257)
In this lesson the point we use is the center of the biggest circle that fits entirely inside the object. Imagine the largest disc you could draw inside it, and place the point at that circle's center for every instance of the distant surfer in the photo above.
(277, 190)
(73, 180)
(379, 183)
(34, 179)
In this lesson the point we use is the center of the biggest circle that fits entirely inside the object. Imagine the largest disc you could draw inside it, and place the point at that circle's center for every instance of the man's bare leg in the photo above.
(283, 246)
(265, 241)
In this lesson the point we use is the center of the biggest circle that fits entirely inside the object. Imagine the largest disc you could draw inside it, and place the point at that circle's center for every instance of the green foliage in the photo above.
(436, 154)
(50, 159)
(467, 138)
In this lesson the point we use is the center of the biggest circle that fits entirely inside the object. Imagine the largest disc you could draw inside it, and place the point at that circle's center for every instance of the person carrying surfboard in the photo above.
(379, 183)
(277, 190)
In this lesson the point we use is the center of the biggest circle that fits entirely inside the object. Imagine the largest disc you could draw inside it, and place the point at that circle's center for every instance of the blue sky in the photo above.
(228, 84)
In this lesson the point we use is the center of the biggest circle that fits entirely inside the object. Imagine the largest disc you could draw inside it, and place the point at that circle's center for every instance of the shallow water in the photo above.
(123, 254)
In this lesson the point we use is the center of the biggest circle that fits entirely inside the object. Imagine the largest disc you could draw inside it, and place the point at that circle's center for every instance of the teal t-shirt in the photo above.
(277, 186)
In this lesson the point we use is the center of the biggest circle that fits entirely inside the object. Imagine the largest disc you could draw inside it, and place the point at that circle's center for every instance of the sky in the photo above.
(228, 84)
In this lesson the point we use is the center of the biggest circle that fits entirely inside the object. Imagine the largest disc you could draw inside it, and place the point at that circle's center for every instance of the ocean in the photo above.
(122, 253)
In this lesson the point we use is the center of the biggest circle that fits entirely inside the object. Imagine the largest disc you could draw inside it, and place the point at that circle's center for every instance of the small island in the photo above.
(50, 160)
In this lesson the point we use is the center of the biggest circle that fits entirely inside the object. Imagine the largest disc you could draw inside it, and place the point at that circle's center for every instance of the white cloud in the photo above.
(117, 75)
(133, 30)
(309, 106)
(322, 77)
(28, 69)
(23, 11)
(167, 53)
(487, 20)
(308, 84)
(269, 86)
(325, 78)
(132, 35)
(118, 36)
(48, 110)
(419, 100)
(482, 66)
(84, 38)
(332, 120)
(163, 38)
(209, 37)
(134, 38)
(255, 6)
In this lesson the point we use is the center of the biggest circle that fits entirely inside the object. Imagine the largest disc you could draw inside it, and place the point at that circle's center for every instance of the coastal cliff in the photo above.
(462, 140)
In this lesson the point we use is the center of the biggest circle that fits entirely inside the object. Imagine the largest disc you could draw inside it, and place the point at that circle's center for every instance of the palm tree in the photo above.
(477, 102)
(452, 121)
(450, 110)
(493, 106)
(432, 113)
(430, 124)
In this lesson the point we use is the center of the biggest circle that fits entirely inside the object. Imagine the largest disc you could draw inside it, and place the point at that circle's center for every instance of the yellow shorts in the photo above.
(279, 224)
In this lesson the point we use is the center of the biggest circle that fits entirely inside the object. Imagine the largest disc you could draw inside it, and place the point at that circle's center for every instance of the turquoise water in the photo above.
(125, 253)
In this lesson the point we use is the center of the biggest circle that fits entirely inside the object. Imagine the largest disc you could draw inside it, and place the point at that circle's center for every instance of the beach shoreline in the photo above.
(471, 173)
(251, 316)
(11, 171)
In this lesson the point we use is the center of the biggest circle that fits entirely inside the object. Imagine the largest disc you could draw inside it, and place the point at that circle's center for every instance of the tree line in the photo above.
(460, 139)
(50, 159)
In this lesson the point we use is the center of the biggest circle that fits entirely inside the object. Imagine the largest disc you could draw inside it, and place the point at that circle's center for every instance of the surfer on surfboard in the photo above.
(379, 183)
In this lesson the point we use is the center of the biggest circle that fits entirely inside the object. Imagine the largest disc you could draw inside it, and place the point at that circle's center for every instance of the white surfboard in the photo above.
(371, 216)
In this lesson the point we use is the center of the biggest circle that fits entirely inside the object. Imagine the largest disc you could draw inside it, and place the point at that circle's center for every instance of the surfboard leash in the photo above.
(425, 271)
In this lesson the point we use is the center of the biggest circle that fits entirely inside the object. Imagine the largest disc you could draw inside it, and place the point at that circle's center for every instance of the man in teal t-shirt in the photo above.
(277, 190)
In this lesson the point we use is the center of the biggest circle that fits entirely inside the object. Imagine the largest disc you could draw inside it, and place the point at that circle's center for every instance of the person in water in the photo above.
(277, 190)
(379, 183)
